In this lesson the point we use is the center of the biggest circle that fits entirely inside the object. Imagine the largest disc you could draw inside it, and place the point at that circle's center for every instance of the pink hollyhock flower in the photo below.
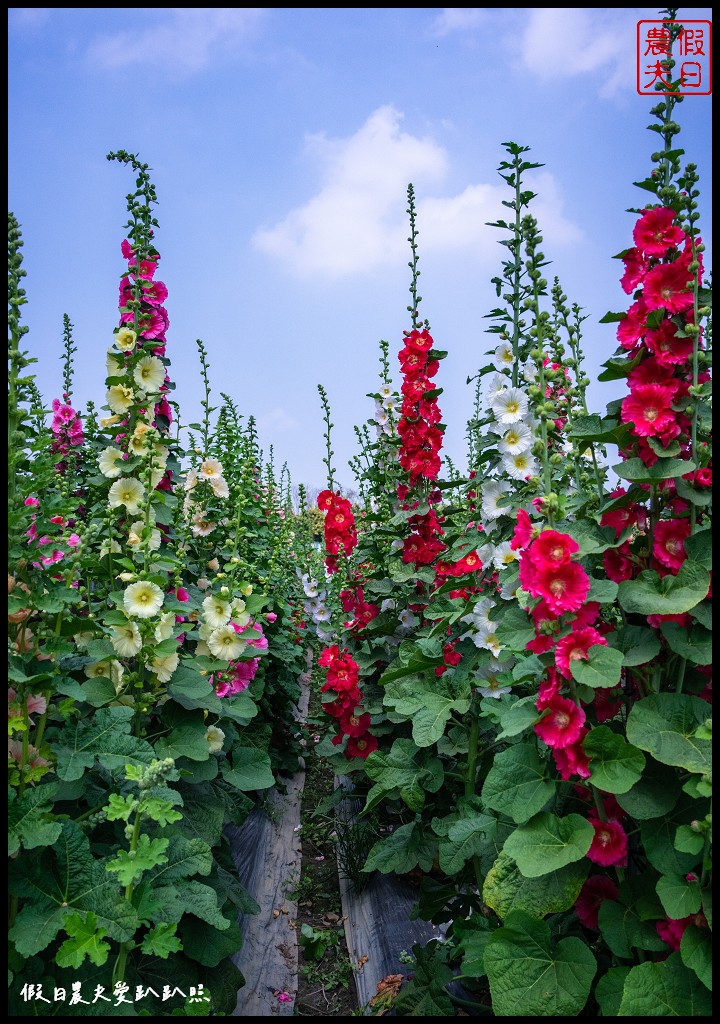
(669, 539)
(552, 549)
(648, 408)
(586, 615)
(651, 371)
(243, 674)
(31, 501)
(155, 292)
(561, 724)
(593, 894)
(576, 647)
(632, 327)
(523, 530)
(656, 231)
(572, 760)
(146, 269)
(609, 845)
(181, 594)
(73, 540)
(127, 250)
(564, 588)
(671, 930)
(667, 347)
(271, 616)
(666, 287)
(36, 703)
(636, 267)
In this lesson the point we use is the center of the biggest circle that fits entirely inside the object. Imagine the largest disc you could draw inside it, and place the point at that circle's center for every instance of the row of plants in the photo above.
(156, 637)
(518, 656)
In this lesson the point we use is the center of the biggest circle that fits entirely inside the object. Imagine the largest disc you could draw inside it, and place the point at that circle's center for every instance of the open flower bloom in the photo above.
(126, 491)
(165, 667)
(149, 374)
(216, 611)
(110, 462)
(126, 639)
(135, 537)
(125, 339)
(562, 722)
(215, 738)
(143, 599)
(119, 399)
(609, 845)
(225, 643)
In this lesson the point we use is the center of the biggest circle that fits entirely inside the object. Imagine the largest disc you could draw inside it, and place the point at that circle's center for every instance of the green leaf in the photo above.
(664, 724)
(515, 716)
(465, 839)
(609, 990)
(615, 765)
(201, 900)
(602, 591)
(250, 770)
(694, 644)
(666, 989)
(406, 848)
(517, 784)
(86, 940)
(637, 643)
(638, 472)
(186, 740)
(679, 897)
(657, 836)
(651, 594)
(207, 945)
(28, 821)
(628, 923)
(130, 865)
(105, 738)
(505, 889)
(514, 628)
(161, 941)
(547, 843)
(430, 720)
(184, 857)
(601, 668)
(696, 952)
(399, 770)
(654, 795)
(530, 976)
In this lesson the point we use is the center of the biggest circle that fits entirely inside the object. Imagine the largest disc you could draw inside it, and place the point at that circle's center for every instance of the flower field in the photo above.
(511, 659)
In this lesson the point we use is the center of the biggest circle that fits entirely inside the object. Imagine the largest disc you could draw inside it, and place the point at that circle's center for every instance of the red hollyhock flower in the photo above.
(325, 500)
(632, 327)
(666, 287)
(562, 723)
(648, 408)
(667, 347)
(354, 724)
(593, 894)
(549, 688)
(552, 549)
(656, 231)
(669, 539)
(607, 704)
(361, 746)
(636, 267)
(651, 371)
(572, 760)
(328, 656)
(609, 845)
(576, 647)
(523, 530)
(421, 341)
(564, 588)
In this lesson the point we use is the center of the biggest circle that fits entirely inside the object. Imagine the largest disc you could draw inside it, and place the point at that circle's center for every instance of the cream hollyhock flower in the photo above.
(159, 462)
(109, 547)
(137, 445)
(220, 488)
(114, 364)
(164, 629)
(149, 374)
(82, 640)
(116, 675)
(119, 399)
(165, 667)
(126, 640)
(191, 480)
(104, 422)
(98, 669)
(202, 650)
(110, 462)
(224, 642)
(200, 526)
(126, 491)
(135, 537)
(217, 611)
(143, 599)
(125, 339)
(215, 738)
(210, 469)
(241, 618)
(237, 607)
(205, 629)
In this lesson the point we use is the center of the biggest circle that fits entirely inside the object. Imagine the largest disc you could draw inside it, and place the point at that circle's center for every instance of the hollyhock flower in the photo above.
(143, 599)
(119, 399)
(520, 466)
(126, 639)
(492, 494)
(486, 639)
(632, 327)
(489, 684)
(636, 267)
(668, 348)
(564, 587)
(523, 530)
(155, 293)
(572, 760)
(325, 500)
(216, 611)
(503, 555)
(215, 738)
(200, 525)
(666, 286)
(562, 722)
(504, 357)
(135, 537)
(510, 406)
(420, 341)
(552, 549)
(593, 894)
(210, 469)
(225, 642)
(656, 231)
(355, 725)
(515, 440)
(126, 491)
(361, 746)
(149, 374)
(165, 667)
(609, 845)
(576, 647)
(124, 339)
(648, 408)
(669, 539)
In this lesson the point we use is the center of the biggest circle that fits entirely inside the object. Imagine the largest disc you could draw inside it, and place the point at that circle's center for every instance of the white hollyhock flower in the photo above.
(497, 384)
(143, 599)
(225, 643)
(515, 440)
(487, 640)
(217, 612)
(149, 374)
(119, 399)
(504, 555)
(165, 667)
(164, 629)
(215, 738)
(126, 639)
(191, 480)
(135, 537)
(510, 406)
(126, 491)
(504, 356)
(210, 469)
(110, 462)
(492, 492)
(488, 678)
(220, 487)
(520, 466)
(97, 670)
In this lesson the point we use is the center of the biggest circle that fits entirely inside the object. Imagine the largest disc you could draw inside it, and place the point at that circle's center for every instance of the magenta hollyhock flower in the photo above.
(656, 231)
(669, 539)
(671, 931)
(564, 587)
(523, 530)
(651, 371)
(182, 594)
(572, 760)
(666, 287)
(609, 845)
(667, 347)
(73, 540)
(632, 326)
(552, 549)
(32, 502)
(561, 724)
(593, 894)
(618, 563)
(155, 292)
(636, 266)
(648, 408)
(576, 647)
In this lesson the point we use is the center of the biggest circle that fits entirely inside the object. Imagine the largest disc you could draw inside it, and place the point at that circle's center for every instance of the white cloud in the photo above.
(458, 19)
(183, 43)
(22, 18)
(561, 42)
(277, 421)
(358, 222)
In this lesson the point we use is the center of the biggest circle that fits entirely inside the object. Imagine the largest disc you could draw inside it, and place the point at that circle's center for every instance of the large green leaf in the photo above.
(666, 989)
(639, 472)
(530, 976)
(679, 897)
(204, 943)
(547, 843)
(465, 839)
(609, 990)
(184, 857)
(201, 900)
(505, 889)
(28, 821)
(601, 668)
(430, 720)
(637, 643)
(406, 848)
(250, 769)
(514, 627)
(615, 765)
(657, 836)
(652, 594)
(654, 795)
(105, 738)
(696, 952)
(398, 770)
(85, 940)
(514, 716)
(694, 644)
(664, 724)
(517, 784)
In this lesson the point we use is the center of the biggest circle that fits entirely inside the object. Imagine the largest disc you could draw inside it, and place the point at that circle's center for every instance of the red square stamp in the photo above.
(689, 42)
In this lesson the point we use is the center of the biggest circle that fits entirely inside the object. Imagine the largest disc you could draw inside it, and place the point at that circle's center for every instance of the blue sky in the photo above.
(281, 143)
